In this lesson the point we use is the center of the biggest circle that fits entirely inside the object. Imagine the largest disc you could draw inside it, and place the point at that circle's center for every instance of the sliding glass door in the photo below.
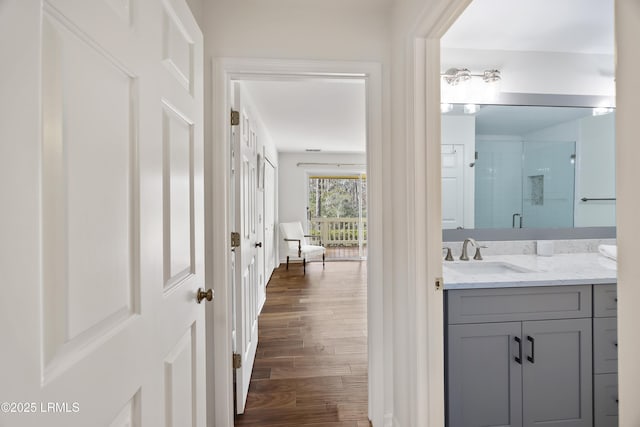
(337, 214)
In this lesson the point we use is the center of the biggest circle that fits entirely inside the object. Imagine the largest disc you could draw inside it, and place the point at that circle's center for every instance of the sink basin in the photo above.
(488, 267)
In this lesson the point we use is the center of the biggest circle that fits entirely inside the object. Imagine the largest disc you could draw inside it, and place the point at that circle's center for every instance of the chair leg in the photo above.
(323, 261)
(287, 262)
(304, 265)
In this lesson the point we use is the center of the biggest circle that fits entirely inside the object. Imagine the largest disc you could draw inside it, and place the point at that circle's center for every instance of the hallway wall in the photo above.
(354, 30)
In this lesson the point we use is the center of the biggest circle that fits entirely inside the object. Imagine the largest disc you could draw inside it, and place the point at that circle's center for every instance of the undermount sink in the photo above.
(485, 267)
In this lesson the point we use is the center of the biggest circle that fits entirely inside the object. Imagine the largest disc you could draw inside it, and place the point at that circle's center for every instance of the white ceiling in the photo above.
(326, 114)
(578, 26)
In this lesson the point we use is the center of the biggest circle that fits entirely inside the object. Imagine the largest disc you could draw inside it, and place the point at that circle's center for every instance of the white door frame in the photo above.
(423, 124)
(219, 322)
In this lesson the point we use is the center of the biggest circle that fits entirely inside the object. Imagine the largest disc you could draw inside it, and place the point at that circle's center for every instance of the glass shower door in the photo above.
(548, 184)
(498, 183)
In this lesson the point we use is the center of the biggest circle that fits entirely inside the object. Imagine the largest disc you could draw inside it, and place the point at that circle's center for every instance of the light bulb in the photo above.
(471, 108)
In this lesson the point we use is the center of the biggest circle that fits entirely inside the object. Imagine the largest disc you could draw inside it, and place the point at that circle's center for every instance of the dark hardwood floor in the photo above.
(311, 362)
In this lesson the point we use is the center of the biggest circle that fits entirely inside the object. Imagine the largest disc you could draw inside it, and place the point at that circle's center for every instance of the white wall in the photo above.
(313, 29)
(628, 205)
(293, 182)
(595, 173)
(538, 72)
(353, 30)
(197, 9)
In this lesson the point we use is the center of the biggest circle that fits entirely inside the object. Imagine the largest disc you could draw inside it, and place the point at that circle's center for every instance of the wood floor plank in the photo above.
(311, 362)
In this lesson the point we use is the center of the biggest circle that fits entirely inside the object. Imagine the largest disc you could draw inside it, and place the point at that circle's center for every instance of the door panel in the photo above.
(247, 287)
(485, 381)
(558, 380)
(88, 179)
(452, 186)
(269, 220)
(105, 250)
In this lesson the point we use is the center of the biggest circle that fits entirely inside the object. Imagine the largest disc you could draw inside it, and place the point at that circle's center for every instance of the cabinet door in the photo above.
(484, 379)
(605, 398)
(557, 373)
(605, 345)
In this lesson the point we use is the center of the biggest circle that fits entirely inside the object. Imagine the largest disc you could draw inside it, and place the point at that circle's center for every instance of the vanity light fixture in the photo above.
(471, 108)
(491, 76)
(454, 76)
(445, 108)
(601, 111)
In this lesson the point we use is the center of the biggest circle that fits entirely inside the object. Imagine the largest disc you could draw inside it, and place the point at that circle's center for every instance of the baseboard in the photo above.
(390, 421)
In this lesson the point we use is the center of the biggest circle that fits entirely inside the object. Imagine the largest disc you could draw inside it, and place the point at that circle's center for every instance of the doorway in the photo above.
(533, 188)
(282, 120)
(243, 70)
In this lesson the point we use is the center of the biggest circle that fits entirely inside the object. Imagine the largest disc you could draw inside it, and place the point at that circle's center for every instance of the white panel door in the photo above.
(269, 219)
(260, 249)
(452, 186)
(101, 252)
(246, 289)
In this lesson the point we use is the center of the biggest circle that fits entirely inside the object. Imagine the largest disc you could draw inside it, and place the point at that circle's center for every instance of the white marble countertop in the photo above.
(559, 269)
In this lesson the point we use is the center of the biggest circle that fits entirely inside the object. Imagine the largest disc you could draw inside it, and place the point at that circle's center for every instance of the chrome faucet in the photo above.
(448, 257)
(464, 256)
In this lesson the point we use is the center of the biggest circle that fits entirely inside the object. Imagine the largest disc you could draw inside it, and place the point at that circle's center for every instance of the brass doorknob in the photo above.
(259, 245)
(202, 294)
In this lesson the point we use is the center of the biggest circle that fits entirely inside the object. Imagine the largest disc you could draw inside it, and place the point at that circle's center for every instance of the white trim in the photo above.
(423, 124)
(390, 421)
(219, 330)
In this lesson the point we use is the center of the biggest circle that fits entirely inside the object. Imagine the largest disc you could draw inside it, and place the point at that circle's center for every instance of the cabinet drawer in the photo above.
(605, 301)
(512, 304)
(605, 345)
(605, 400)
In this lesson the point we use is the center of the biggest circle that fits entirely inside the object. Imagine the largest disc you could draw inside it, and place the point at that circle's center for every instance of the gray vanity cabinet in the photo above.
(485, 381)
(605, 356)
(557, 373)
(519, 357)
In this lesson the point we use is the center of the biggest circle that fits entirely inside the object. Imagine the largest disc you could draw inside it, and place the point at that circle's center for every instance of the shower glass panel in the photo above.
(524, 184)
(548, 184)
(498, 183)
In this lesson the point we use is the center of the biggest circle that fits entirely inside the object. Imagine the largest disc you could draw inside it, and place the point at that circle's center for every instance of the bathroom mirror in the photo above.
(527, 167)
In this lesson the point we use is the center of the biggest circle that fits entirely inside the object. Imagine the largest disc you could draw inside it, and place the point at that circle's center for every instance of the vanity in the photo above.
(531, 341)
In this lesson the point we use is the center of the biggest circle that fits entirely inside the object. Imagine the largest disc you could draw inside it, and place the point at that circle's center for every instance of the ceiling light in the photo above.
(471, 108)
(445, 108)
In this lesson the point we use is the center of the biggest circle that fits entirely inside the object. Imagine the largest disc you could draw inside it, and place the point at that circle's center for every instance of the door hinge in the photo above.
(237, 361)
(235, 239)
(235, 118)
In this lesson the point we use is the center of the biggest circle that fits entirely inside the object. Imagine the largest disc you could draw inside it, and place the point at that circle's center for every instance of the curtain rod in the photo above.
(329, 164)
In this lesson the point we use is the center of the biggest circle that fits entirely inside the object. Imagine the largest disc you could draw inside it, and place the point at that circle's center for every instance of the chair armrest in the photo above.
(299, 245)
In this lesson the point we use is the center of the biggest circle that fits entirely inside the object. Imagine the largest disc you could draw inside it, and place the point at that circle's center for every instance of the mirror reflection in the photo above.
(527, 167)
